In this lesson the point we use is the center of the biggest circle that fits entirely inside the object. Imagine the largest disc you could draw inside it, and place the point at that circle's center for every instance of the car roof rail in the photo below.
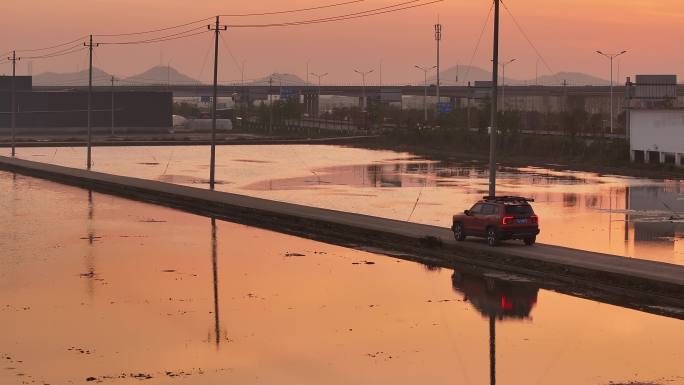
(507, 198)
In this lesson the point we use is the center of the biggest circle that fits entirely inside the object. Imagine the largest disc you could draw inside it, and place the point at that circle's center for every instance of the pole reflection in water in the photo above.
(495, 298)
(492, 350)
(214, 267)
(90, 273)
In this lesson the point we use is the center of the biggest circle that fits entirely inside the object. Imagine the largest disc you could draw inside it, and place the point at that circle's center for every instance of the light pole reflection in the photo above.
(214, 267)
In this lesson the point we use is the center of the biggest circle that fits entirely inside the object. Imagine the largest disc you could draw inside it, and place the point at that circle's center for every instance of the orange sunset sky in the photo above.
(566, 32)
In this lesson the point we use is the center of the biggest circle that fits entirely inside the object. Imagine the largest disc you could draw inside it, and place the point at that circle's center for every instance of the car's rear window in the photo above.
(519, 210)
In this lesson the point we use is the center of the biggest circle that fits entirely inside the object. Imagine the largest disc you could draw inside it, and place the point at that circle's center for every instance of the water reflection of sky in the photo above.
(618, 215)
(98, 286)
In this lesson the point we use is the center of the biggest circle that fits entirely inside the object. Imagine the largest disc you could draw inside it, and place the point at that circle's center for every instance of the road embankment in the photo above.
(629, 279)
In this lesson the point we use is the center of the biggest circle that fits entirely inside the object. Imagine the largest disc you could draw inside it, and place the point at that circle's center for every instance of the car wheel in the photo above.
(459, 234)
(492, 237)
(529, 241)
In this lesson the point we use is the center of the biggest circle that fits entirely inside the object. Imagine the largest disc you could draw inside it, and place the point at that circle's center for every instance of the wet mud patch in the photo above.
(142, 376)
(252, 161)
(187, 179)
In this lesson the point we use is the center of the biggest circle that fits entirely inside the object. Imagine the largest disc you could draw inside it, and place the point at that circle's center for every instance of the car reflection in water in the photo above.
(496, 298)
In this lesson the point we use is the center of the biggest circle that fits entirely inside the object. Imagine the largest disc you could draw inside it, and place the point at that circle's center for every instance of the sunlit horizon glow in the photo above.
(567, 33)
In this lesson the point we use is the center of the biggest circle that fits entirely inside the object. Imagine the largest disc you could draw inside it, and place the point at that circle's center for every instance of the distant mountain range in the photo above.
(277, 80)
(79, 78)
(461, 75)
(162, 75)
(155, 75)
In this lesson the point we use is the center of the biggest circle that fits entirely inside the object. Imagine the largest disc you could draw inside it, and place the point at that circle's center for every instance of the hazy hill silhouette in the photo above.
(160, 75)
(472, 74)
(79, 78)
(278, 79)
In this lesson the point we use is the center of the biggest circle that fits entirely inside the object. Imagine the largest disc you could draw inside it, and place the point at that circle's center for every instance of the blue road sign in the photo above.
(444, 107)
(288, 93)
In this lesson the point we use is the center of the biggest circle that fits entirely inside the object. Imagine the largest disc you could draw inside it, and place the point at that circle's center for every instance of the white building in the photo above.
(657, 135)
(656, 120)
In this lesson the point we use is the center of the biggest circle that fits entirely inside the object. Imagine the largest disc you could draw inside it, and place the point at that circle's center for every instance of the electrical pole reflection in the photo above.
(215, 277)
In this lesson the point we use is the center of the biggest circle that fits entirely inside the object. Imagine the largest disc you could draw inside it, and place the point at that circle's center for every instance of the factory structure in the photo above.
(655, 120)
(66, 110)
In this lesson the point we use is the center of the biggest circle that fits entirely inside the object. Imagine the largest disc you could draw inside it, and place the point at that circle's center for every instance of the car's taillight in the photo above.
(507, 220)
(505, 305)
(534, 219)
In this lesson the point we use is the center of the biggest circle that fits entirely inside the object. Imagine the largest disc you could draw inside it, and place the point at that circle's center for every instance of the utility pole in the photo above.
(425, 72)
(380, 75)
(319, 76)
(112, 105)
(217, 28)
(495, 96)
(14, 59)
(363, 92)
(611, 56)
(438, 38)
(90, 46)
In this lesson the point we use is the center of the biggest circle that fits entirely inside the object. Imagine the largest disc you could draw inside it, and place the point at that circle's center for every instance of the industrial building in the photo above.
(655, 120)
(66, 110)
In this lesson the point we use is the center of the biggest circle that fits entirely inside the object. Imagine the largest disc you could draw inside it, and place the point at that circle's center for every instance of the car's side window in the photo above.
(477, 209)
(488, 209)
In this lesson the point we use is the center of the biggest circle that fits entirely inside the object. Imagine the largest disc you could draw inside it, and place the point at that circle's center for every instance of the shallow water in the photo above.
(632, 217)
(98, 286)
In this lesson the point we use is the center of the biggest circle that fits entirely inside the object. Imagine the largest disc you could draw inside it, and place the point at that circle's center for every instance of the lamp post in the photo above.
(425, 72)
(611, 56)
(503, 85)
(363, 92)
(318, 112)
(112, 133)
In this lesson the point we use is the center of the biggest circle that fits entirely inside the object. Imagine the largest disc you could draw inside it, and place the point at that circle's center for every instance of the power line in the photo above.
(56, 54)
(479, 40)
(174, 36)
(155, 30)
(539, 55)
(227, 15)
(293, 10)
(230, 52)
(356, 15)
(54, 46)
(204, 62)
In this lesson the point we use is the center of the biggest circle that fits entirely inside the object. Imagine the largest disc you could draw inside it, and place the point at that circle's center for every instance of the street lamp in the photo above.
(503, 86)
(363, 91)
(611, 56)
(363, 82)
(425, 72)
(319, 76)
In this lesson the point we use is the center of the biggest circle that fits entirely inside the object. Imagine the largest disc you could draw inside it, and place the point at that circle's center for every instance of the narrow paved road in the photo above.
(198, 199)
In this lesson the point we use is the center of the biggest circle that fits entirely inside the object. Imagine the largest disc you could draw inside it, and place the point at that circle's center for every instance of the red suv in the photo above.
(497, 219)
